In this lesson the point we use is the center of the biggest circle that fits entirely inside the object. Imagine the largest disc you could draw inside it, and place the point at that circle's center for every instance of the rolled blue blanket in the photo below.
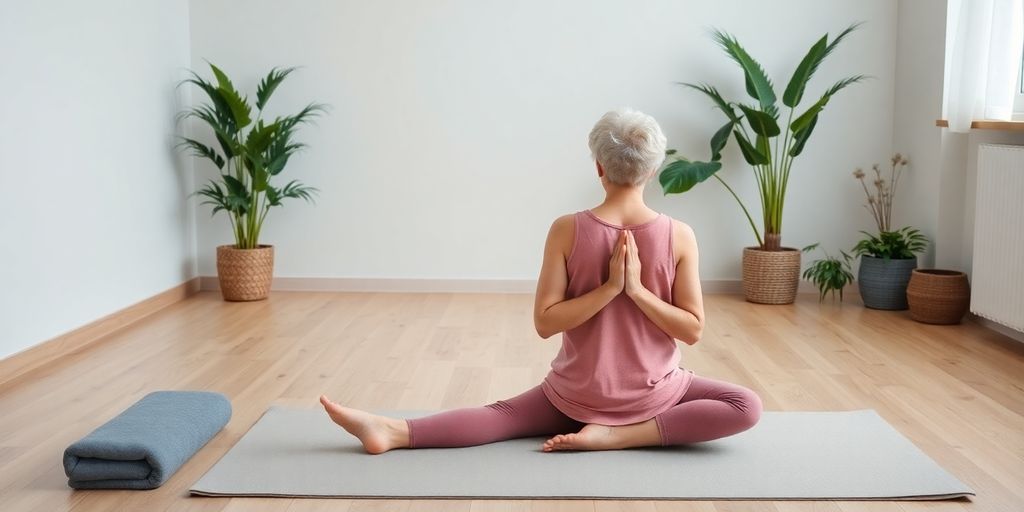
(144, 445)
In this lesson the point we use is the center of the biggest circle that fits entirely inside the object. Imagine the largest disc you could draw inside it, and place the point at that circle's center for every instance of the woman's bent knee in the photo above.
(752, 408)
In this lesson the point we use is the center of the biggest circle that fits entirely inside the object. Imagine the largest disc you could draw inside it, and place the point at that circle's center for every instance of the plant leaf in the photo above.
(719, 140)
(260, 137)
(760, 122)
(762, 145)
(220, 111)
(716, 97)
(805, 119)
(259, 179)
(240, 109)
(758, 85)
(750, 153)
(800, 137)
(234, 186)
(269, 83)
(681, 175)
(797, 94)
(795, 89)
(294, 189)
(273, 197)
(202, 150)
(835, 42)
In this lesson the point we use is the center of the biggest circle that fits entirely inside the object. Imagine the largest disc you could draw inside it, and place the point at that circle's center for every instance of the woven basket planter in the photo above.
(771, 277)
(245, 274)
(883, 283)
(938, 296)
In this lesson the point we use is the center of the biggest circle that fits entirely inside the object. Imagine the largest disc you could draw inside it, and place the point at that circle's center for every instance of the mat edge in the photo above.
(928, 497)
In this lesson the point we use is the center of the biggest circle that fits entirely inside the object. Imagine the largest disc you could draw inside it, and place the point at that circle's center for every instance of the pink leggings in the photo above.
(710, 409)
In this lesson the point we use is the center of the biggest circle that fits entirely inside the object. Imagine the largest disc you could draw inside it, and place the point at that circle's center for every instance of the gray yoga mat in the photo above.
(850, 455)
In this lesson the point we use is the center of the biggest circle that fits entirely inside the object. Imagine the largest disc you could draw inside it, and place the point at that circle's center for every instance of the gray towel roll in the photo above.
(144, 445)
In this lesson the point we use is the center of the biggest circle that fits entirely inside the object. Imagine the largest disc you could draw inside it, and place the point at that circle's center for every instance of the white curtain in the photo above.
(987, 42)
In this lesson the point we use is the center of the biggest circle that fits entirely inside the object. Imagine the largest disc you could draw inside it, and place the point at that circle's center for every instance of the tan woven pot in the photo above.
(938, 296)
(771, 277)
(245, 274)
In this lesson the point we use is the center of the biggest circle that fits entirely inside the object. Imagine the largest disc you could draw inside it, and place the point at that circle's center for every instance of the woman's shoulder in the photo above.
(684, 240)
(563, 232)
(564, 223)
(680, 228)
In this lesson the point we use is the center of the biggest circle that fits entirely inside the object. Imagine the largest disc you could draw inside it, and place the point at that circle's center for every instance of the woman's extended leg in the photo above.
(710, 409)
(525, 415)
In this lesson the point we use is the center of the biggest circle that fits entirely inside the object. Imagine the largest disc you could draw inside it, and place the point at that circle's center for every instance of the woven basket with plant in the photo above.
(888, 257)
(769, 143)
(249, 151)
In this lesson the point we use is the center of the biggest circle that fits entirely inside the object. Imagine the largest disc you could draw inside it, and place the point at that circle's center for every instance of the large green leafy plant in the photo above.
(251, 151)
(767, 146)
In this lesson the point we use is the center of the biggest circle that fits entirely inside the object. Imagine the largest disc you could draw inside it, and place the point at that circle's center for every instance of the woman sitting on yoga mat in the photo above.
(620, 282)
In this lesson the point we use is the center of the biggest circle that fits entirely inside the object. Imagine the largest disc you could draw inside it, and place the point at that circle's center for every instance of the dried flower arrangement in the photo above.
(901, 243)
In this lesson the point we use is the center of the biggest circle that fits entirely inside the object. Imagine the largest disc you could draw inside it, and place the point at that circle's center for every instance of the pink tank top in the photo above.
(618, 367)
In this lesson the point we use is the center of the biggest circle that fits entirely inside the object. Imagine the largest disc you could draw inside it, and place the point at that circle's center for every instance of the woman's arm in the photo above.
(683, 320)
(553, 314)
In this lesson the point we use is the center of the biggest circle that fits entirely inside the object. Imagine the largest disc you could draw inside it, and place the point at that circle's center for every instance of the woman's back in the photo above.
(618, 367)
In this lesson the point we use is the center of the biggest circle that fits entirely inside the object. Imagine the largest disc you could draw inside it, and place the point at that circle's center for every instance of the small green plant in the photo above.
(904, 243)
(830, 274)
(248, 160)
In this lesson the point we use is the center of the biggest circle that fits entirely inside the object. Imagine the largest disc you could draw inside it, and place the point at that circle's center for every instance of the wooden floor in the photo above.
(956, 391)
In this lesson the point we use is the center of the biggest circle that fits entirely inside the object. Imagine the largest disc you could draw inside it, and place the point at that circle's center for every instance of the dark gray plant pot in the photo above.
(883, 283)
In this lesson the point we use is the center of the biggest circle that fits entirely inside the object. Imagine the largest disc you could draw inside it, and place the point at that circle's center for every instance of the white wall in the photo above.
(93, 211)
(920, 57)
(937, 193)
(458, 130)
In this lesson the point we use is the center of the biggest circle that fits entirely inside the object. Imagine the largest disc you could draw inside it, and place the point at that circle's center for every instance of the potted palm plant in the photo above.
(771, 272)
(251, 151)
(887, 259)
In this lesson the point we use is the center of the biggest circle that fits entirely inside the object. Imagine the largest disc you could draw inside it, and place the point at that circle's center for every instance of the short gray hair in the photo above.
(629, 146)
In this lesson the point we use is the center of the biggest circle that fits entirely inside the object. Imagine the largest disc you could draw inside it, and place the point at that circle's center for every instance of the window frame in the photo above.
(1018, 101)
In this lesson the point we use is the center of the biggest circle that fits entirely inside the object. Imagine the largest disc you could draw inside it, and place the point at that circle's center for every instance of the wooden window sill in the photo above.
(983, 124)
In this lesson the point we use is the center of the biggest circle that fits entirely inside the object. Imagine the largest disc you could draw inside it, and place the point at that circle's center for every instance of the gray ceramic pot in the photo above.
(883, 283)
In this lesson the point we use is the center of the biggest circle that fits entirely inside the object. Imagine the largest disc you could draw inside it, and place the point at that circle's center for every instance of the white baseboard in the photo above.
(1009, 332)
(415, 285)
(405, 285)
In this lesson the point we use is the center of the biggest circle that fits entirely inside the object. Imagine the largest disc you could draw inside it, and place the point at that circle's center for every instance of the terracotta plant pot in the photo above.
(883, 282)
(771, 277)
(938, 296)
(245, 274)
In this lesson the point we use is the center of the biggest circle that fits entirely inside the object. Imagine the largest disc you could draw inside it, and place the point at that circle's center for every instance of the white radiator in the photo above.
(997, 288)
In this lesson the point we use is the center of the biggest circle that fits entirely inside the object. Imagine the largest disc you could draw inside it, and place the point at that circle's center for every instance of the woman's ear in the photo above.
(600, 170)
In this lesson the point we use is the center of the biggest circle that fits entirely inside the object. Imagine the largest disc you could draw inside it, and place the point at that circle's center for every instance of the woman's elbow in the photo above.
(543, 330)
(545, 334)
(690, 338)
(693, 335)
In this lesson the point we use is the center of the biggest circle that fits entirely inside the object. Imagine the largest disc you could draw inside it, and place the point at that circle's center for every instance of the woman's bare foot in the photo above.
(377, 433)
(594, 436)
